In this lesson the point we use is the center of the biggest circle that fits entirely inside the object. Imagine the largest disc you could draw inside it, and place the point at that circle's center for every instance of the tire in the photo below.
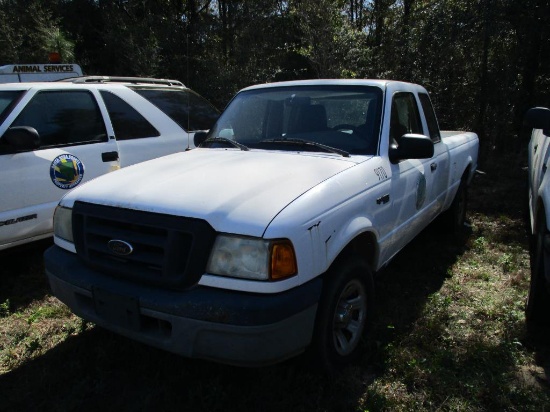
(454, 218)
(537, 307)
(344, 315)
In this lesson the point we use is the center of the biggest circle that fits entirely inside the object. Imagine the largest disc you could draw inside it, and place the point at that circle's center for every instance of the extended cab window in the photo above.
(404, 116)
(63, 118)
(127, 122)
(428, 109)
(189, 110)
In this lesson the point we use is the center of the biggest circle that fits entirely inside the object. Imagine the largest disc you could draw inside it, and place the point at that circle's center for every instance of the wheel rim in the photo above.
(349, 317)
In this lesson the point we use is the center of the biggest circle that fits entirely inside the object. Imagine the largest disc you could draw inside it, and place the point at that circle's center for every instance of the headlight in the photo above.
(62, 223)
(252, 258)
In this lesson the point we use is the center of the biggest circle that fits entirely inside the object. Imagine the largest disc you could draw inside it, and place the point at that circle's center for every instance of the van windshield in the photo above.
(315, 118)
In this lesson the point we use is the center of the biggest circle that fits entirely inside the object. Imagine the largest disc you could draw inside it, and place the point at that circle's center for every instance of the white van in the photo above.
(55, 136)
(17, 73)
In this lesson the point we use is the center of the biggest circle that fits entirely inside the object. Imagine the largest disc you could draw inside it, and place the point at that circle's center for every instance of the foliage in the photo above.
(485, 62)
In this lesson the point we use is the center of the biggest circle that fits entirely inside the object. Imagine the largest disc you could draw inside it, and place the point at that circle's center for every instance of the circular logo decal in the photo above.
(66, 171)
(420, 191)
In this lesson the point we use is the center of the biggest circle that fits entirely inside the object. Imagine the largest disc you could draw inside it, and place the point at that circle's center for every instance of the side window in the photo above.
(64, 118)
(428, 109)
(188, 109)
(404, 116)
(8, 100)
(127, 122)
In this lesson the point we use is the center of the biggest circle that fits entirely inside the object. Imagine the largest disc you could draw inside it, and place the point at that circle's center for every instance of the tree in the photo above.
(30, 33)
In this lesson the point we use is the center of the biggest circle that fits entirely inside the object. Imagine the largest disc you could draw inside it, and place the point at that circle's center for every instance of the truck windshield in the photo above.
(8, 98)
(304, 118)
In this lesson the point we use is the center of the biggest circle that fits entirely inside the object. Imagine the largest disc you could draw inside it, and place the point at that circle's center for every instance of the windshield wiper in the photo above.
(304, 142)
(224, 140)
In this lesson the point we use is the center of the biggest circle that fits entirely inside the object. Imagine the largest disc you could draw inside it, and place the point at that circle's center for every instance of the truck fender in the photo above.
(358, 235)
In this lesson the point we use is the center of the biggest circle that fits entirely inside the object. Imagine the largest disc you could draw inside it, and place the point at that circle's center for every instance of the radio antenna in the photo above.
(188, 92)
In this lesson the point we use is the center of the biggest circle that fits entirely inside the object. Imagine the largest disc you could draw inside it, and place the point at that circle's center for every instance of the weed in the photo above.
(480, 244)
(46, 312)
(5, 308)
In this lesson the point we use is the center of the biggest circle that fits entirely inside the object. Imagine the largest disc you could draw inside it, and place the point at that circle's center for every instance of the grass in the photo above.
(449, 336)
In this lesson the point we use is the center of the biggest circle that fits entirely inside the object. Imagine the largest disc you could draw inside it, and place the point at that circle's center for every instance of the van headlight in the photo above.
(252, 258)
(62, 223)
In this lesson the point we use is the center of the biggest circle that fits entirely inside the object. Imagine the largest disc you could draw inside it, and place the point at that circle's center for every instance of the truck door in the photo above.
(411, 178)
(73, 147)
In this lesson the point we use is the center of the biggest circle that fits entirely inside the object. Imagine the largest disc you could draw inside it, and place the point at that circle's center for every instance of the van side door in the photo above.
(73, 145)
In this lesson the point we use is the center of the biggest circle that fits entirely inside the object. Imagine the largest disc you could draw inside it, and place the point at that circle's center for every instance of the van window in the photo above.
(8, 98)
(127, 122)
(189, 110)
(64, 118)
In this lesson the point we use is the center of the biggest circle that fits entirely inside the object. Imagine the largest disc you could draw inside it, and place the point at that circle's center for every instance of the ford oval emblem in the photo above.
(120, 247)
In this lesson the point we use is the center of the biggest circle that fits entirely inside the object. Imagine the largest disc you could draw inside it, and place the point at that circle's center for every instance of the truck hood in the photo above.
(235, 191)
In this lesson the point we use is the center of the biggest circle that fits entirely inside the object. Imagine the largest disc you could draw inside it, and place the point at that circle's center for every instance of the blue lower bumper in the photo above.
(203, 322)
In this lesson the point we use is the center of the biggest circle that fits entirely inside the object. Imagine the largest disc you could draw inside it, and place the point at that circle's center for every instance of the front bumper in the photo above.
(226, 326)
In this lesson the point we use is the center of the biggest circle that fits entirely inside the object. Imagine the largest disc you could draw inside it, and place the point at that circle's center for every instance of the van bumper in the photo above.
(245, 329)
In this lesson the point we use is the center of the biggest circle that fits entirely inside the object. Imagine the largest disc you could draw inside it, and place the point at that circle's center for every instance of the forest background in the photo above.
(485, 62)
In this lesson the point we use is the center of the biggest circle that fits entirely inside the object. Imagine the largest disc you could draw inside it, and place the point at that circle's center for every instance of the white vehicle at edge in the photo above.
(58, 135)
(537, 309)
(262, 242)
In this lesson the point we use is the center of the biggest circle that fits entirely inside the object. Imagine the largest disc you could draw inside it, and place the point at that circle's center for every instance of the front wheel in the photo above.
(537, 308)
(344, 314)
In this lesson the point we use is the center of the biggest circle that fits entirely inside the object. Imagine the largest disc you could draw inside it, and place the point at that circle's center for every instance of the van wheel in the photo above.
(537, 308)
(344, 314)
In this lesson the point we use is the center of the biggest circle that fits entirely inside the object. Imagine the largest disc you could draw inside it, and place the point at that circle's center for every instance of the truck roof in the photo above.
(348, 82)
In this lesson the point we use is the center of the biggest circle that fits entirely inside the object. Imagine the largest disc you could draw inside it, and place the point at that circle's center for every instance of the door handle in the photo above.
(433, 167)
(382, 200)
(109, 156)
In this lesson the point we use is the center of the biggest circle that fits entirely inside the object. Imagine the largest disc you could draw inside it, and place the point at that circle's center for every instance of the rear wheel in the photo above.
(344, 314)
(454, 218)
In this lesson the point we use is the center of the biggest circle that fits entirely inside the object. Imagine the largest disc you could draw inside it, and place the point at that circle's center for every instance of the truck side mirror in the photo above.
(412, 146)
(21, 139)
(199, 138)
(538, 118)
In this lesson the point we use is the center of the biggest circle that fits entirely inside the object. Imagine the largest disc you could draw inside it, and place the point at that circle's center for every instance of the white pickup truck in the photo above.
(57, 135)
(262, 242)
(537, 309)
